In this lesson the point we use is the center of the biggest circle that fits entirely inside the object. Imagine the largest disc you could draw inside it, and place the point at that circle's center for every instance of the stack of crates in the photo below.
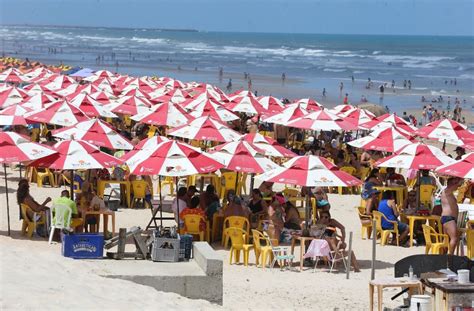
(186, 246)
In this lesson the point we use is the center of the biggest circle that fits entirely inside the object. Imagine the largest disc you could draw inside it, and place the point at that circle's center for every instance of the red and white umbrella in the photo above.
(388, 140)
(339, 109)
(103, 97)
(357, 116)
(11, 96)
(463, 168)
(165, 95)
(322, 120)
(35, 88)
(37, 101)
(13, 115)
(310, 171)
(57, 113)
(269, 146)
(135, 92)
(213, 91)
(18, 148)
(172, 158)
(206, 128)
(75, 89)
(290, 113)
(96, 132)
(449, 130)
(58, 82)
(246, 102)
(77, 155)
(130, 105)
(416, 156)
(388, 120)
(148, 143)
(171, 83)
(242, 156)
(271, 103)
(168, 114)
(198, 100)
(213, 109)
(91, 107)
(309, 104)
(12, 75)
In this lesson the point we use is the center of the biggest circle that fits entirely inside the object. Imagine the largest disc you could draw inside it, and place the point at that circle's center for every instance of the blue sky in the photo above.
(414, 17)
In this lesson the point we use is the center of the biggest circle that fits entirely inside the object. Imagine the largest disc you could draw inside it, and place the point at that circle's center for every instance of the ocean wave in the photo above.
(358, 71)
(100, 38)
(149, 40)
(427, 65)
(333, 70)
(404, 58)
(467, 76)
(376, 52)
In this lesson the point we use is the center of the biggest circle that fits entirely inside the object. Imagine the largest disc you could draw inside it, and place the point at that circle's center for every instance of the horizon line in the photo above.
(234, 31)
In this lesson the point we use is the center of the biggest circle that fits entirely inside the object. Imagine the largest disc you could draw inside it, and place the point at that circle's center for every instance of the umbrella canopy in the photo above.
(309, 104)
(290, 113)
(130, 105)
(11, 96)
(339, 109)
(58, 82)
(269, 146)
(388, 120)
(37, 101)
(168, 114)
(91, 107)
(13, 115)
(310, 171)
(463, 168)
(103, 97)
(172, 158)
(242, 156)
(77, 155)
(12, 75)
(18, 148)
(148, 143)
(213, 109)
(165, 95)
(357, 116)
(388, 140)
(270, 103)
(416, 156)
(205, 128)
(322, 120)
(199, 99)
(58, 113)
(212, 90)
(96, 132)
(245, 102)
(446, 129)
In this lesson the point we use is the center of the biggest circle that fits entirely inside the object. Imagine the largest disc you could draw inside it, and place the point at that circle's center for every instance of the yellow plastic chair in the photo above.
(363, 172)
(139, 191)
(349, 170)
(411, 182)
(127, 121)
(35, 134)
(384, 233)
(239, 243)
(151, 131)
(434, 241)
(228, 180)
(29, 225)
(191, 225)
(167, 181)
(243, 183)
(40, 176)
(261, 250)
(366, 227)
(66, 180)
(426, 194)
(470, 243)
(234, 222)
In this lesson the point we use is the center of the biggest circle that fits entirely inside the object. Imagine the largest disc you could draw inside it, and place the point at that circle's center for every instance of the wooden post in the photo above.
(374, 244)
(161, 202)
(6, 193)
(121, 243)
(72, 185)
(349, 257)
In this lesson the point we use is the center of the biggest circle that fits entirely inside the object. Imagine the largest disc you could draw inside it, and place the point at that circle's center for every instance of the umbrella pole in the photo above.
(20, 171)
(306, 212)
(6, 192)
(418, 189)
(252, 176)
(177, 200)
(236, 183)
(374, 243)
(72, 185)
(444, 146)
(161, 202)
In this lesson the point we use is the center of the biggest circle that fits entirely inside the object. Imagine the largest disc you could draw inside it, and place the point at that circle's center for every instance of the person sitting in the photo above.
(292, 217)
(266, 188)
(366, 158)
(388, 207)
(330, 235)
(369, 194)
(193, 209)
(87, 200)
(322, 202)
(209, 201)
(426, 178)
(393, 178)
(23, 197)
(236, 208)
(410, 205)
(276, 217)
(179, 204)
(190, 194)
(257, 204)
(76, 220)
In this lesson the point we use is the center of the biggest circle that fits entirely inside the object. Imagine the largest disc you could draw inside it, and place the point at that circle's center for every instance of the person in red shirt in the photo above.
(193, 209)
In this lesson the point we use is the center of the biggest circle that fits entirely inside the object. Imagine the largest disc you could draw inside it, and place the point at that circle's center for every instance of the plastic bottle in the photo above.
(410, 272)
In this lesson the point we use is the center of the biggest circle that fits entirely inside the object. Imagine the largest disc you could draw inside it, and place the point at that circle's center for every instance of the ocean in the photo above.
(434, 65)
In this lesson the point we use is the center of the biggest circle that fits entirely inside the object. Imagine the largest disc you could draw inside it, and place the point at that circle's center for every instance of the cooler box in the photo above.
(83, 245)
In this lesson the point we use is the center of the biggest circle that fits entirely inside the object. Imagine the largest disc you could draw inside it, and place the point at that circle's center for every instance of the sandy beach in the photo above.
(34, 269)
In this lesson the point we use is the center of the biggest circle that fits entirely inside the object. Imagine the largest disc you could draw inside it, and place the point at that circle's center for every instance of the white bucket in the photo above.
(463, 276)
(423, 300)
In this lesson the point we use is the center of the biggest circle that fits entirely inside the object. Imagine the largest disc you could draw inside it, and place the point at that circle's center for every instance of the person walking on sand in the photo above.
(449, 215)
(346, 99)
(283, 78)
(352, 78)
(341, 87)
(229, 86)
(324, 92)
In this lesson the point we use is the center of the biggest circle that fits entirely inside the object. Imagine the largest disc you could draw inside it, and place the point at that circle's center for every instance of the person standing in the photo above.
(341, 87)
(324, 92)
(346, 99)
(449, 215)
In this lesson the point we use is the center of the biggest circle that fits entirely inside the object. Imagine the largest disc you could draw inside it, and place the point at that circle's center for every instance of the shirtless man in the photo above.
(449, 216)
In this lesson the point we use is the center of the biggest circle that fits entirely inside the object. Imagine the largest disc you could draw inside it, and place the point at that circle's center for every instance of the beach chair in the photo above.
(191, 224)
(139, 192)
(41, 175)
(384, 233)
(238, 239)
(29, 225)
(349, 170)
(228, 180)
(434, 241)
(67, 181)
(470, 243)
(60, 219)
(234, 222)
(280, 254)
(365, 222)
(337, 256)
(265, 251)
(167, 181)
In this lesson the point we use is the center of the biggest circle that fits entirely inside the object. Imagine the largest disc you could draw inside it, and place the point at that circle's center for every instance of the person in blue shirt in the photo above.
(387, 206)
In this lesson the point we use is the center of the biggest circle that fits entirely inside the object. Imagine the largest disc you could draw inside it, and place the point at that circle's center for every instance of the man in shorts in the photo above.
(449, 216)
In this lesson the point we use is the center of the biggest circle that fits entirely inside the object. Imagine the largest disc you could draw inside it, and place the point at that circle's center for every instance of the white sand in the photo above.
(35, 276)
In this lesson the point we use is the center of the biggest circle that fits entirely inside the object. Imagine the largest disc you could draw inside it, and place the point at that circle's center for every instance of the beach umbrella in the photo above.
(245, 102)
(446, 130)
(164, 95)
(271, 103)
(199, 99)
(213, 109)
(96, 132)
(205, 128)
(342, 108)
(322, 120)
(105, 84)
(103, 97)
(242, 156)
(34, 88)
(13, 115)
(309, 104)
(148, 143)
(12, 75)
(268, 145)
(57, 113)
(11, 96)
(91, 107)
(74, 90)
(135, 92)
(289, 113)
(58, 82)
(130, 105)
(357, 116)
(171, 83)
(388, 140)
(16, 148)
(166, 114)
(37, 101)
(388, 120)
(37, 73)
(463, 168)
(212, 91)
(417, 156)
(105, 74)
(140, 84)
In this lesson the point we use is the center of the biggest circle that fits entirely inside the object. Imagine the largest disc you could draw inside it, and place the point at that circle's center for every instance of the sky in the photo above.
(409, 17)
